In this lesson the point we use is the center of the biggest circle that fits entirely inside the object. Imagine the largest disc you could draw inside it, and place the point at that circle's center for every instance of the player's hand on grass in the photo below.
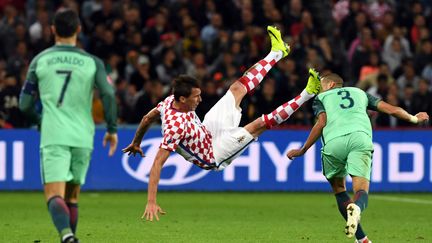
(151, 211)
(133, 149)
(422, 117)
(295, 153)
(113, 140)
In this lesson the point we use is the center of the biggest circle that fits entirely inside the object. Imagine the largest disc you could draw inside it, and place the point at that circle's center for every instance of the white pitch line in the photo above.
(401, 199)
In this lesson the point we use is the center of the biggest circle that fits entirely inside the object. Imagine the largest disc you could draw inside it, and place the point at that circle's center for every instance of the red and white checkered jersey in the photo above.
(184, 133)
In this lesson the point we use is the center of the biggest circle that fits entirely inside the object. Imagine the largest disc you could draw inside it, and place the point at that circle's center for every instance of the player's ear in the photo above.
(332, 84)
(78, 30)
(182, 99)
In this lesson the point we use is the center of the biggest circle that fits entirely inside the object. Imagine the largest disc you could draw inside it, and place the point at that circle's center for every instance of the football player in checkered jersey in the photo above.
(214, 143)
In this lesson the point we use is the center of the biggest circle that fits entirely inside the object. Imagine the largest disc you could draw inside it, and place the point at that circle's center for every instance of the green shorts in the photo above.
(348, 154)
(64, 163)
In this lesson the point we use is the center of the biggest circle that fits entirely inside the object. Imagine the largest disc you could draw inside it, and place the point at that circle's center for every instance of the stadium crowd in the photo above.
(382, 46)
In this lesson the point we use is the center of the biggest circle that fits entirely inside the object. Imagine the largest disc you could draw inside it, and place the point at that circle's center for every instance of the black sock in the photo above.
(73, 210)
(343, 199)
(59, 214)
(361, 199)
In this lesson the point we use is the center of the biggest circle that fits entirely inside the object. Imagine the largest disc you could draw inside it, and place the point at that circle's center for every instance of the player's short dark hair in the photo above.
(334, 77)
(183, 85)
(66, 22)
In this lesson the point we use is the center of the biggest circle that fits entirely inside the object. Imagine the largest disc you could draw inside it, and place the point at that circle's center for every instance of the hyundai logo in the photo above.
(150, 148)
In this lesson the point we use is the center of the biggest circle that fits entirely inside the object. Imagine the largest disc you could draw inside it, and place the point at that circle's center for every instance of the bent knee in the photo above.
(238, 88)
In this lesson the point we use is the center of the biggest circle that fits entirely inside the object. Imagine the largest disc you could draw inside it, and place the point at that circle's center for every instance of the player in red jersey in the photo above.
(214, 143)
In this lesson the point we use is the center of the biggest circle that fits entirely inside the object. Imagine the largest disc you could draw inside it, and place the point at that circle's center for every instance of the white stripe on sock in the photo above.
(66, 236)
(274, 55)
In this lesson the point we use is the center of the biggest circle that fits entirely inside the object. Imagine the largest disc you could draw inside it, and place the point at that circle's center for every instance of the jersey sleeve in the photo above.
(372, 102)
(173, 134)
(104, 85)
(29, 94)
(317, 106)
(159, 106)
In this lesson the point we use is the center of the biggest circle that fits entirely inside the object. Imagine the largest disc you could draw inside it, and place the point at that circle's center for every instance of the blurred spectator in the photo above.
(112, 67)
(352, 25)
(427, 72)
(292, 13)
(8, 34)
(415, 32)
(380, 90)
(266, 100)
(3, 123)
(424, 55)
(210, 95)
(36, 29)
(340, 10)
(145, 44)
(105, 15)
(377, 10)
(143, 73)
(210, 32)
(198, 67)
(9, 96)
(360, 51)
(371, 67)
(408, 78)
(45, 41)
(156, 26)
(393, 54)
(18, 61)
(152, 94)
(422, 99)
(384, 120)
(192, 42)
(397, 34)
(170, 67)
(386, 27)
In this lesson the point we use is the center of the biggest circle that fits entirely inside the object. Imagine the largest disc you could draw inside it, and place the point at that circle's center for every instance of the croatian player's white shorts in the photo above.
(228, 139)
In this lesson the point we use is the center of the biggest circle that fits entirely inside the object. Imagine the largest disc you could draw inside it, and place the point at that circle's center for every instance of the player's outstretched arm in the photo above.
(144, 125)
(152, 208)
(402, 114)
(315, 133)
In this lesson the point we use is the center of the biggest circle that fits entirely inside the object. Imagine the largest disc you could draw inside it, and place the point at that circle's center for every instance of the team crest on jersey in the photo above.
(241, 139)
(109, 80)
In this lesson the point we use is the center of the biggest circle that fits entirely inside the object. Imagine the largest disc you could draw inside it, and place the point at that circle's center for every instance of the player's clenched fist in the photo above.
(422, 117)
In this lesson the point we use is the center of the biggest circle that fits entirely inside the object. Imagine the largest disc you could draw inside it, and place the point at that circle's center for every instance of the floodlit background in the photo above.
(381, 46)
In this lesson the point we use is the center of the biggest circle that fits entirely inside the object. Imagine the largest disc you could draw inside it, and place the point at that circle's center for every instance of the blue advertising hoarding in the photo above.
(401, 162)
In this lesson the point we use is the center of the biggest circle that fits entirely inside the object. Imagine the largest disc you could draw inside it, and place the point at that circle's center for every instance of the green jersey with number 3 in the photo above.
(346, 110)
(65, 77)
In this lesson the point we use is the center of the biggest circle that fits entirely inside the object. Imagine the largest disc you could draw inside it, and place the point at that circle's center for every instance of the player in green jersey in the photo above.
(346, 132)
(63, 78)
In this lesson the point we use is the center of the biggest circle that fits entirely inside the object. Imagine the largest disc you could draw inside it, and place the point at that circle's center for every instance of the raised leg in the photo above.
(254, 75)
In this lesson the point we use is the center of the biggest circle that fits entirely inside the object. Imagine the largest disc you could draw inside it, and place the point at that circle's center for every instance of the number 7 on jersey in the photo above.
(67, 74)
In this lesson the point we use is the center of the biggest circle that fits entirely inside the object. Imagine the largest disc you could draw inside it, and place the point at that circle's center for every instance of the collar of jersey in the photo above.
(64, 45)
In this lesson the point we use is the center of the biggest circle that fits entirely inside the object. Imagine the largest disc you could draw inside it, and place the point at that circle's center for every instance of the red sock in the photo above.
(283, 112)
(254, 75)
(73, 209)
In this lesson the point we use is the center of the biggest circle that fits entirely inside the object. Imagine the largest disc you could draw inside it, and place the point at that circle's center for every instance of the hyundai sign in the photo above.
(401, 162)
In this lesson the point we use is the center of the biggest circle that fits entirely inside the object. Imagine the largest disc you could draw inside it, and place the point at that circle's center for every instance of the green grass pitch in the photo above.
(218, 217)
